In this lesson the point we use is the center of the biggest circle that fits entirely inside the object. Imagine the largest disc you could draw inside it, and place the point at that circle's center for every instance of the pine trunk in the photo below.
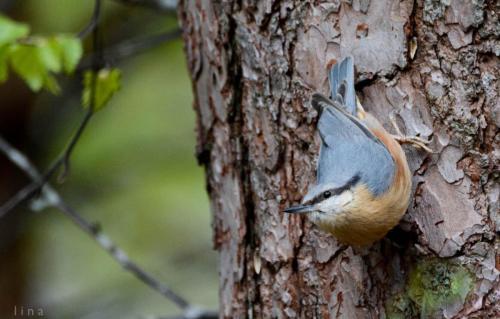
(254, 66)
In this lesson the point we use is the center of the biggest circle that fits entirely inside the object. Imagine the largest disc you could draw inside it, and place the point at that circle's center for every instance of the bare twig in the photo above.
(97, 62)
(118, 254)
(94, 21)
(135, 46)
(132, 47)
(32, 188)
(162, 5)
(26, 166)
(63, 160)
(52, 198)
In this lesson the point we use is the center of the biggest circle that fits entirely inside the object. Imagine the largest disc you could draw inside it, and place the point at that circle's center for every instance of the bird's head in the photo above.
(326, 201)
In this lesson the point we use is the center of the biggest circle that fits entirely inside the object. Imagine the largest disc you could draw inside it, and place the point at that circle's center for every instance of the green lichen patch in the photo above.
(433, 285)
(436, 284)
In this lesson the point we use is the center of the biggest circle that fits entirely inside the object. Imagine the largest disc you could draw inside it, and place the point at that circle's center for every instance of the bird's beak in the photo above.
(299, 209)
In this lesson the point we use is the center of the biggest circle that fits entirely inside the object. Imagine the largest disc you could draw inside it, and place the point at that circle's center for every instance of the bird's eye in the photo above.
(327, 194)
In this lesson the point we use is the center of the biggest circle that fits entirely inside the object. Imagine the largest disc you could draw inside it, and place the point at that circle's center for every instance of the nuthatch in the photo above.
(363, 180)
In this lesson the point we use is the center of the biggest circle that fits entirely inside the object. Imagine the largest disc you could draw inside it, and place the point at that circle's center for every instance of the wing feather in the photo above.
(349, 148)
(341, 78)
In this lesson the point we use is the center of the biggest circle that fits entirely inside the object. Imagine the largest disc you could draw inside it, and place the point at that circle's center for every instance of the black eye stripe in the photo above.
(335, 191)
(350, 183)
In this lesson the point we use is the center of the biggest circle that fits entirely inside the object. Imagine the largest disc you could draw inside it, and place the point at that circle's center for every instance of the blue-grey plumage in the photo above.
(341, 77)
(348, 149)
(363, 180)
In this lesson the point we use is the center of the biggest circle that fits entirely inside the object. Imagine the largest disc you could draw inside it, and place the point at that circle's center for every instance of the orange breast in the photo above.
(368, 218)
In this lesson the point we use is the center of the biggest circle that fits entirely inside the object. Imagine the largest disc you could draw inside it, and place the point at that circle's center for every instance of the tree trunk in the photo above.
(254, 66)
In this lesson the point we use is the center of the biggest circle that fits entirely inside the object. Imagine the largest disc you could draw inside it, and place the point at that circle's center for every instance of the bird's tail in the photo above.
(341, 78)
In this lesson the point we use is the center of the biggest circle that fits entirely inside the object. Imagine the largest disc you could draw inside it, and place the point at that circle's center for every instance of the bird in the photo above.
(363, 182)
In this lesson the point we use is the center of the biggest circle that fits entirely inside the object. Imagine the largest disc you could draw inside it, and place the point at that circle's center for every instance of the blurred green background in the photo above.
(133, 171)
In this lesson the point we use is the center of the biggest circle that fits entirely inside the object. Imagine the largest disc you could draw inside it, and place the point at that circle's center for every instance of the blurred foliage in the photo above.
(107, 82)
(36, 58)
(10, 30)
(133, 171)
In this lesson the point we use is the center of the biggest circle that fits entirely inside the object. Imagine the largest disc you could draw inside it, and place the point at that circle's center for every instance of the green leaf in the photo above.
(107, 82)
(71, 51)
(26, 61)
(11, 30)
(49, 54)
(33, 63)
(34, 59)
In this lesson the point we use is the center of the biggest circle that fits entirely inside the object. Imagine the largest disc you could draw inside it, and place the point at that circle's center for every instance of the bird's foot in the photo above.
(413, 140)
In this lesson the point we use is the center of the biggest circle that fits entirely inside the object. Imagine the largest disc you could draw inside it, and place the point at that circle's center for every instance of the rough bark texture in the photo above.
(254, 65)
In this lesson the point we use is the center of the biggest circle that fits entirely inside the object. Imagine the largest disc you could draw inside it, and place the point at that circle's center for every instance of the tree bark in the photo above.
(254, 65)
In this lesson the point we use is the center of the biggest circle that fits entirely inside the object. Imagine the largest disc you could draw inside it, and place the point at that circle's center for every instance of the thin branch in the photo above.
(118, 254)
(53, 199)
(162, 5)
(31, 189)
(94, 21)
(63, 160)
(50, 197)
(97, 63)
(133, 47)
(26, 166)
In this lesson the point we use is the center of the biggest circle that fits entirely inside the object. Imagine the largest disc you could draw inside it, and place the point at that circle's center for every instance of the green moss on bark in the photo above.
(432, 285)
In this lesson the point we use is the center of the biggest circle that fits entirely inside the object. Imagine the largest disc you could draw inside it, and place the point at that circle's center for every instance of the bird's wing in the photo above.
(341, 78)
(348, 149)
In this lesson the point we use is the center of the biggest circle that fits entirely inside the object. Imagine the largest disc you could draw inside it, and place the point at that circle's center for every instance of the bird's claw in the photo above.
(413, 140)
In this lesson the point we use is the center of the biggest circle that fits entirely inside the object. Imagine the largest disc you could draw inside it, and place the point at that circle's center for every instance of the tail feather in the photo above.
(341, 78)
(321, 103)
